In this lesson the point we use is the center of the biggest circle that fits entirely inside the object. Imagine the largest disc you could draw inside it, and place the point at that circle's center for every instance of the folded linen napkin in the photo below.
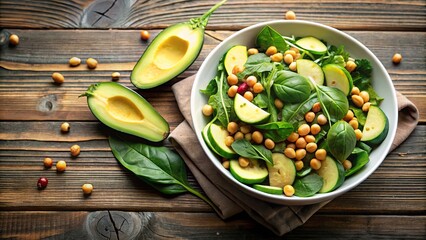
(228, 202)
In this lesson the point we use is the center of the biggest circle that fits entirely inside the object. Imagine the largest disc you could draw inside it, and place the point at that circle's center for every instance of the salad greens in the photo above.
(288, 96)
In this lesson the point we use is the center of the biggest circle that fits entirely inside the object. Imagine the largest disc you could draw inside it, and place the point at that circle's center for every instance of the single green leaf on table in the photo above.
(334, 102)
(160, 167)
(270, 37)
(291, 87)
(341, 140)
(245, 149)
(276, 131)
(308, 185)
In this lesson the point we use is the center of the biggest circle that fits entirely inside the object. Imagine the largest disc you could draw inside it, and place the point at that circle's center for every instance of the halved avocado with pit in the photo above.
(171, 52)
(124, 110)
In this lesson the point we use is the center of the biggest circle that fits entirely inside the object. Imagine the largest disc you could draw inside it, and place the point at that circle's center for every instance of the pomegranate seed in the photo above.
(243, 88)
(42, 183)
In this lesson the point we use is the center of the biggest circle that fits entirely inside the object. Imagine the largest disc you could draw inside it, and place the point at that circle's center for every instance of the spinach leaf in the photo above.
(270, 37)
(361, 77)
(291, 87)
(341, 140)
(261, 100)
(256, 63)
(304, 171)
(335, 55)
(244, 148)
(359, 114)
(359, 159)
(307, 186)
(294, 113)
(211, 88)
(333, 102)
(277, 131)
(159, 167)
(220, 101)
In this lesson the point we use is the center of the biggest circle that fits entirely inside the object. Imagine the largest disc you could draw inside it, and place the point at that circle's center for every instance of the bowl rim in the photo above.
(294, 200)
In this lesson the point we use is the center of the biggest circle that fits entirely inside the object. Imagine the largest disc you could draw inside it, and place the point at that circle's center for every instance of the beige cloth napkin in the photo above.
(228, 202)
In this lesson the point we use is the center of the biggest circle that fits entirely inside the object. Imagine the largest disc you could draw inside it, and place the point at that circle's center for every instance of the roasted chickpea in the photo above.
(350, 66)
(309, 117)
(277, 57)
(75, 150)
(288, 58)
(91, 63)
(245, 129)
(354, 123)
(366, 106)
(145, 35)
(207, 110)
(244, 162)
(288, 190)
(397, 58)
(58, 78)
(358, 134)
(355, 91)
(300, 154)
(271, 50)
(257, 137)
(293, 66)
(13, 40)
(115, 76)
(303, 129)
(232, 128)
(225, 164)
(61, 165)
(321, 154)
(232, 79)
(299, 165)
(309, 138)
(251, 80)
(278, 103)
(237, 69)
(311, 147)
(316, 107)
(252, 51)
(301, 142)
(65, 127)
(293, 137)
(229, 140)
(347, 164)
(232, 91)
(74, 61)
(315, 164)
(349, 115)
(365, 96)
(290, 152)
(321, 119)
(290, 15)
(258, 88)
(239, 135)
(315, 128)
(47, 162)
(269, 144)
(87, 188)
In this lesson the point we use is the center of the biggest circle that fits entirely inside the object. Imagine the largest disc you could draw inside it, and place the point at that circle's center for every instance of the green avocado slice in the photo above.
(126, 111)
(171, 52)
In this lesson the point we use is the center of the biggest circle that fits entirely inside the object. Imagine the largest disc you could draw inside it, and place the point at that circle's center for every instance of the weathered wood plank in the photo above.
(118, 50)
(177, 225)
(365, 14)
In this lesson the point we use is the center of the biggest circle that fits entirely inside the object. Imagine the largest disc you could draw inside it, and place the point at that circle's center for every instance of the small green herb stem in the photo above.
(198, 194)
(205, 17)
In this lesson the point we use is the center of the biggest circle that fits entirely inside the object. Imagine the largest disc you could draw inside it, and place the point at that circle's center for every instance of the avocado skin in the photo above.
(107, 99)
(141, 70)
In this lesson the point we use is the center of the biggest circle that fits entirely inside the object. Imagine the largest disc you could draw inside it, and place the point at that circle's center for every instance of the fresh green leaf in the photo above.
(291, 87)
(304, 171)
(308, 185)
(294, 113)
(341, 140)
(277, 131)
(211, 88)
(270, 37)
(256, 64)
(359, 158)
(244, 148)
(360, 115)
(333, 102)
(363, 146)
(261, 100)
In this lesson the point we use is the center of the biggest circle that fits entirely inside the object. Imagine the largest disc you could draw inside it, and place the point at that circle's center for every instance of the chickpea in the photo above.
(316, 107)
(245, 129)
(357, 100)
(311, 147)
(257, 137)
(295, 49)
(258, 88)
(349, 115)
(347, 164)
(309, 138)
(249, 96)
(145, 35)
(315, 164)
(365, 96)
(397, 58)
(225, 164)
(293, 137)
(277, 57)
(252, 51)
(315, 129)
(232, 127)
(251, 80)
(321, 154)
(232, 91)
(65, 127)
(303, 129)
(354, 123)
(74, 61)
(238, 136)
(358, 134)
(300, 154)
(58, 78)
(13, 40)
(301, 142)
(288, 190)
(269, 144)
(229, 140)
(47, 162)
(309, 117)
(244, 162)
(247, 137)
(355, 91)
(271, 50)
(278, 103)
(321, 119)
(232, 79)
(91, 63)
(366, 106)
(290, 15)
(350, 66)
(61, 165)
(292, 52)
(299, 165)
(207, 110)
(87, 188)
(75, 150)
(290, 152)
(291, 145)
(288, 58)
(115, 76)
(237, 69)
(293, 66)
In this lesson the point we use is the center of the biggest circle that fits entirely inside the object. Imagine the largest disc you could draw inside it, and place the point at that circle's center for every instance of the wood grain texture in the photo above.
(178, 225)
(235, 14)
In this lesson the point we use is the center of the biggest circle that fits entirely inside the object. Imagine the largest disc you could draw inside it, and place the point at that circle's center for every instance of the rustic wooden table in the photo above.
(389, 204)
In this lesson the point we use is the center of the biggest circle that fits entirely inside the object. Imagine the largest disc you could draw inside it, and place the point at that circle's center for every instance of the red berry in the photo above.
(243, 88)
(42, 183)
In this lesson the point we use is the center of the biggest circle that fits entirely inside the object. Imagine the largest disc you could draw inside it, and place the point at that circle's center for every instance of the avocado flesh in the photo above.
(168, 55)
(124, 110)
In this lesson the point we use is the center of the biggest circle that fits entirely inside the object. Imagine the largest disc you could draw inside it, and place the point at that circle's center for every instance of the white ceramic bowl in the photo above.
(381, 83)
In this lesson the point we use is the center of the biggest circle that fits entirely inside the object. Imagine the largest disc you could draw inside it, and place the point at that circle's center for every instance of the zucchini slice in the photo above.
(255, 172)
(376, 126)
(332, 173)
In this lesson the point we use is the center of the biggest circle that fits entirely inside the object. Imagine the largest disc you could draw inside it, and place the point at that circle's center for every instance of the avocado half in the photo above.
(168, 55)
(124, 110)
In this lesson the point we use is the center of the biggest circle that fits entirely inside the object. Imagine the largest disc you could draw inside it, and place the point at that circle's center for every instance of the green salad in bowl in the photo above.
(294, 112)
